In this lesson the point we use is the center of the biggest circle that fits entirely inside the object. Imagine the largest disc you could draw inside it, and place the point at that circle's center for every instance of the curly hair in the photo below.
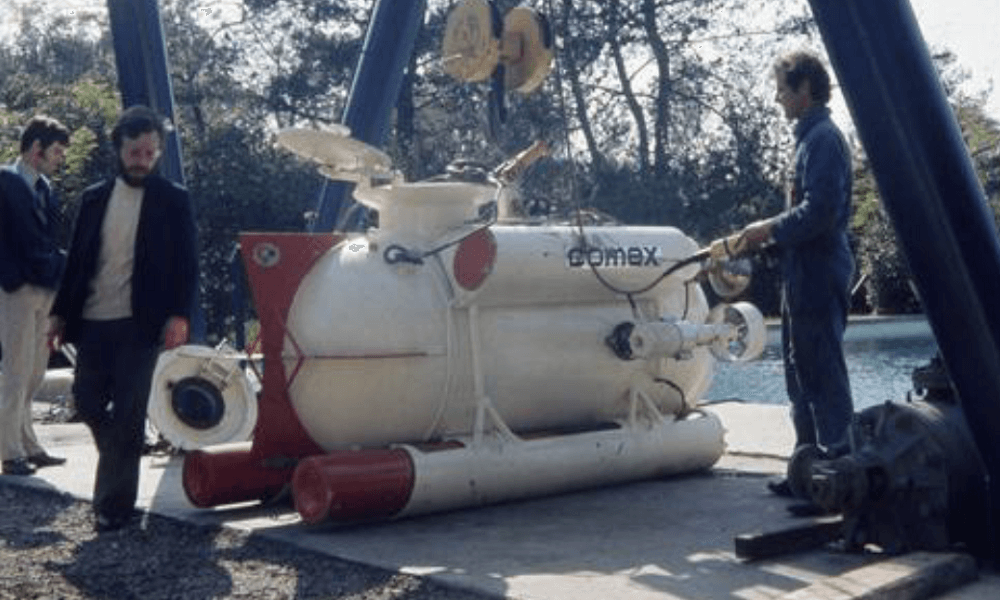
(135, 121)
(44, 129)
(805, 66)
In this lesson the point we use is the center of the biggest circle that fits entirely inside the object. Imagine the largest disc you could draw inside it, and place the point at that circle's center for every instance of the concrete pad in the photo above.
(913, 576)
(987, 587)
(663, 539)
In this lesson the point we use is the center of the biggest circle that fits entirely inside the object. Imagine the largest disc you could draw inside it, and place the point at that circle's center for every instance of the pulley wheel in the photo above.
(471, 47)
(800, 469)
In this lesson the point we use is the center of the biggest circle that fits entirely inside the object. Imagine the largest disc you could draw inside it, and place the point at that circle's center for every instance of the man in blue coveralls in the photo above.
(816, 260)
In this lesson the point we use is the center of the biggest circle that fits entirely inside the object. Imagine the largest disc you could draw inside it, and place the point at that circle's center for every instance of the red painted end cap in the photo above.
(217, 478)
(349, 486)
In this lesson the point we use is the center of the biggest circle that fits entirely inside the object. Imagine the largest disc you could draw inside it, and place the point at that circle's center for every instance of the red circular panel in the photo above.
(474, 259)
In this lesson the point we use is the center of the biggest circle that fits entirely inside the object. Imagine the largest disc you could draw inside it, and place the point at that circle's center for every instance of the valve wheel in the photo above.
(800, 469)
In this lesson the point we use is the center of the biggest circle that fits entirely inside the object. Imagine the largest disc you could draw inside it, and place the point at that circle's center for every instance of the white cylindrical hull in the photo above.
(485, 475)
(406, 480)
(380, 353)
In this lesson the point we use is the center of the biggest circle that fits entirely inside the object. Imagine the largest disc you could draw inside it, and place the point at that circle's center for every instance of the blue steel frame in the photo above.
(388, 46)
(143, 71)
(931, 192)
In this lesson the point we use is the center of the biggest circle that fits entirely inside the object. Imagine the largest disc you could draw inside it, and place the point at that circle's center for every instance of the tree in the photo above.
(659, 112)
(882, 268)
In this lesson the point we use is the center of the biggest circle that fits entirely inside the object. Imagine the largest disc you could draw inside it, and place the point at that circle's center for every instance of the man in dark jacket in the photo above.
(31, 263)
(816, 263)
(129, 290)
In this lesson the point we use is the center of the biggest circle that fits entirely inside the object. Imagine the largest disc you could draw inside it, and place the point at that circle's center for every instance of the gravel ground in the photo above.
(48, 550)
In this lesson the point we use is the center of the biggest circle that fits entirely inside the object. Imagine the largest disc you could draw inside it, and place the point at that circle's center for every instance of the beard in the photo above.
(135, 177)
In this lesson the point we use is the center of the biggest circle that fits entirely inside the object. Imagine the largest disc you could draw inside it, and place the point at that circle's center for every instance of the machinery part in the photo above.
(511, 170)
(619, 340)
(729, 276)
(202, 396)
(470, 50)
(232, 473)
(932, 380)
(800, 469)
(730, 247)
(197, 403)
(342, 157)
(516, 54)
(670, 339)
(350, 485)
(747, 333)
(734, 333)
(423, 213)
(526, 49)
(408, 480)
(912, 481)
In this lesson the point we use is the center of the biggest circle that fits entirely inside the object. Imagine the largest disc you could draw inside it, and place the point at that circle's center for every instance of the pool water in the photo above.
(881, 354)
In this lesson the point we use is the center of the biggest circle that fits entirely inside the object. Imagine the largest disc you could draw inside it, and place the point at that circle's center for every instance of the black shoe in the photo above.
(807, 509)
(44, 459)
(105, 524)
(18, 466)
(780, 488)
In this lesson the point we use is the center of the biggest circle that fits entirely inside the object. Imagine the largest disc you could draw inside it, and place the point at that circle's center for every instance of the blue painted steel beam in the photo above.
(388, 45)
(931, 192)
(143, 70)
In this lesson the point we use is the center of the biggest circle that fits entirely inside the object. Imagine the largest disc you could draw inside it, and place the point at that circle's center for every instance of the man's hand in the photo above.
(751, 238)
(176, 332)
(54, 335)
(756, 234)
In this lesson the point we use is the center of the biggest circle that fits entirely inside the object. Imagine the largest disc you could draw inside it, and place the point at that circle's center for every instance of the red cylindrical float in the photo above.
(353, 485)
(217, 476)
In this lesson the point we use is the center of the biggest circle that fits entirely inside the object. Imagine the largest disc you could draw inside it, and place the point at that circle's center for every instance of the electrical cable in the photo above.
(574, 192)
(685, 409)
(394, 253)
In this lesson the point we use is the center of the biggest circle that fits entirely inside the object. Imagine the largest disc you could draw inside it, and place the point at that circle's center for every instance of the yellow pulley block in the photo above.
(526, 49)
(471, 47)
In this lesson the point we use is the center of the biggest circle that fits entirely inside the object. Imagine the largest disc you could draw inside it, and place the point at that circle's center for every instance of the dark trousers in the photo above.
(816, 375)
(114, 371)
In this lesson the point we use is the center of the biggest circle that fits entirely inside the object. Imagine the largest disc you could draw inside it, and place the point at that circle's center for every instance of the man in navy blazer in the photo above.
(129, 291)
(31, 263)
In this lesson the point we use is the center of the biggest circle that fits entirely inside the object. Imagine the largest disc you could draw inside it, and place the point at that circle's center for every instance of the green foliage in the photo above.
(98, 100)
(881, 265)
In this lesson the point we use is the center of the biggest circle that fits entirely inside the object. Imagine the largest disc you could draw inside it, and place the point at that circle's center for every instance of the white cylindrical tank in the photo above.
(380, 352)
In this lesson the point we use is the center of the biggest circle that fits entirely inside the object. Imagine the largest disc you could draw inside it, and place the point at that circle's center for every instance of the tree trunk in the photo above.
(662, 56)
(579, 96)
(633, 104)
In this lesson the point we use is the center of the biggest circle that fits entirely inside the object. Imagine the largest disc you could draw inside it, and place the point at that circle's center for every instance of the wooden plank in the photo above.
(809, 535)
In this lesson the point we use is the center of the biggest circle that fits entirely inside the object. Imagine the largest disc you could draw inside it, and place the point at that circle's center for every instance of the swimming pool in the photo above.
(881, 354)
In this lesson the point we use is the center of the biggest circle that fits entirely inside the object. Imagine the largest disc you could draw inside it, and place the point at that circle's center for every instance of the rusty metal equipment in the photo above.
(913, 480)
